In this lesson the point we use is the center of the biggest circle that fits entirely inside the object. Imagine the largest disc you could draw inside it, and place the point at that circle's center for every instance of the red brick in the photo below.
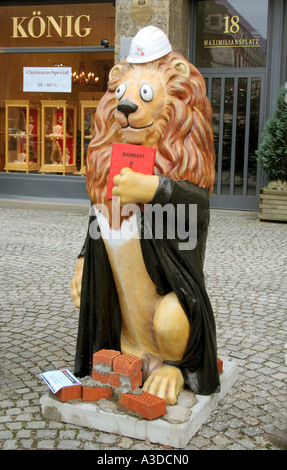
(106, 378)
(105, 357)
(220, 365)
(136, 381)
(130, 383)
(96, 393)
(73, 392)
(148, 405)
(126, 364)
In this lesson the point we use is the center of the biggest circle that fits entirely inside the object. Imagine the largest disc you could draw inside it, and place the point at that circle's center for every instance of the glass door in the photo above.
(231, 50)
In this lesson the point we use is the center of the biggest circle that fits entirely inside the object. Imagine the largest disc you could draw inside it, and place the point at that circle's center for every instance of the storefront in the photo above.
(236, 53)
(240, 47)
(46, 119)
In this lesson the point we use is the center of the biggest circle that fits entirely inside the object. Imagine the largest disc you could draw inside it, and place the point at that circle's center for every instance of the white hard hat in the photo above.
(149, 44)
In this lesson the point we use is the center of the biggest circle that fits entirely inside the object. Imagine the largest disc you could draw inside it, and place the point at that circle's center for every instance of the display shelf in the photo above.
(22, 132)
(88, 110)
(59, 137)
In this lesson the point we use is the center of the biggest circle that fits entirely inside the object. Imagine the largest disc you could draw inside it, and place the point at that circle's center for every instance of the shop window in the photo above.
(39, 38)
(11, 91)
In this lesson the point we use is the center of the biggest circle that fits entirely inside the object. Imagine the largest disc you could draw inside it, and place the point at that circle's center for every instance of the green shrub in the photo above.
(272, 152)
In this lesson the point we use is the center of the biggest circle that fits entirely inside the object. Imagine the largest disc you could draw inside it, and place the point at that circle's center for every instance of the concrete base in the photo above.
(174, 429)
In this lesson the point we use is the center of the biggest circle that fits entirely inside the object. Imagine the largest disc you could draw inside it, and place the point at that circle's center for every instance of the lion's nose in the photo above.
(127, 107)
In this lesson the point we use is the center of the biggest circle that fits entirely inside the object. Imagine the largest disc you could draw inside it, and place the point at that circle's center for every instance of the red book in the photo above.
(137, 157)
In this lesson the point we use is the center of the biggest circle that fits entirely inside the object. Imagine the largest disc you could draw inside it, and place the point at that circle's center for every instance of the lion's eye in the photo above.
(146, 92)
(120, 91)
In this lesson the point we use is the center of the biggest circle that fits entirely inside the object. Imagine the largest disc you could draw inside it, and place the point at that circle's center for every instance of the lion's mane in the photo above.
(185, 146)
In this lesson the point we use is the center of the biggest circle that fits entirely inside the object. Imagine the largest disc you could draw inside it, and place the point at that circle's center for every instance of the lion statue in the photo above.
(141, 294)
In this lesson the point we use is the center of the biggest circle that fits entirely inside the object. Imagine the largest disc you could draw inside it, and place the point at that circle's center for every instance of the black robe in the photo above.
(171, 268)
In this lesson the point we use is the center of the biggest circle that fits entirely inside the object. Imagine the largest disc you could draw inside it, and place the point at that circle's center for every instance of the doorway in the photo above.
(231, 54)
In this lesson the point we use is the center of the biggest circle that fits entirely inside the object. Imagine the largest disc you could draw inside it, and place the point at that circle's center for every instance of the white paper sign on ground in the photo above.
(57, 379)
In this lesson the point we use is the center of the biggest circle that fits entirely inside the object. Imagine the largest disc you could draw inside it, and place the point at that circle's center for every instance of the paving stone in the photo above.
(6, 435)
(125, 442)
(26, 444)
(207, 432)
(247, 443)
(10, 445)
(106, 438)
(86, 435)
(46, 434)
(68, 445)
(235, 446)
(67, 433)
(44, 444)
(221, 441)
(233, 434)
(200, 442)
(24, 433)
(90, 446)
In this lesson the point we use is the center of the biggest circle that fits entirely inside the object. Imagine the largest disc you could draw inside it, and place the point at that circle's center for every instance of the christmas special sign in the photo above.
(47, 79)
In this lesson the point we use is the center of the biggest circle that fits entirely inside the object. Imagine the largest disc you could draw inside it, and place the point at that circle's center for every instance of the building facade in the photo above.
(240, 47)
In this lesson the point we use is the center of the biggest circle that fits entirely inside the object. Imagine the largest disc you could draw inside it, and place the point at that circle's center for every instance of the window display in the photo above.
(49, 58)
(88, 109)
(59, 132)
(22, 136)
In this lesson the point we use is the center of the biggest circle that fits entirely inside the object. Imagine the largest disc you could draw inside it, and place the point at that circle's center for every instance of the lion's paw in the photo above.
(167, 382)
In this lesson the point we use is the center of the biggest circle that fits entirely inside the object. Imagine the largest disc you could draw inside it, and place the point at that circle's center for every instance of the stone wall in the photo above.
(172, 16)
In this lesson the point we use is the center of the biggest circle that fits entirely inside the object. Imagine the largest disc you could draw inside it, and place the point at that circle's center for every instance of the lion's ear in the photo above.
(181, 67)
(116, 70)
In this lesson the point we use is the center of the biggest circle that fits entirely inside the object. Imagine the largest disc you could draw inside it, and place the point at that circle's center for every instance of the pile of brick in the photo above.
(120, 375)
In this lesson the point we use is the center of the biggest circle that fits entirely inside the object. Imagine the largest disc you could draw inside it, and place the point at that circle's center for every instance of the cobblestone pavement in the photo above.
(245, 267)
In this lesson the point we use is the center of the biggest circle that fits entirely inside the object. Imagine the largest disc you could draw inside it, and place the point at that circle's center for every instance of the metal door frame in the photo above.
(232, 201)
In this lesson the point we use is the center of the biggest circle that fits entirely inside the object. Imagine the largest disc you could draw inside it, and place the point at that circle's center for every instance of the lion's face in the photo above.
(162, 104)
(141, 99)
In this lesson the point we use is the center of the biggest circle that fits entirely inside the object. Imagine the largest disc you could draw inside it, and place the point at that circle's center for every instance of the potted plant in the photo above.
(272, 154)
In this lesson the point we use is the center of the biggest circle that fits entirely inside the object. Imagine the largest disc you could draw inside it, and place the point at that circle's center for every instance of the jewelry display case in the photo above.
(22, 132)
(59, 137)
(88, 110)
